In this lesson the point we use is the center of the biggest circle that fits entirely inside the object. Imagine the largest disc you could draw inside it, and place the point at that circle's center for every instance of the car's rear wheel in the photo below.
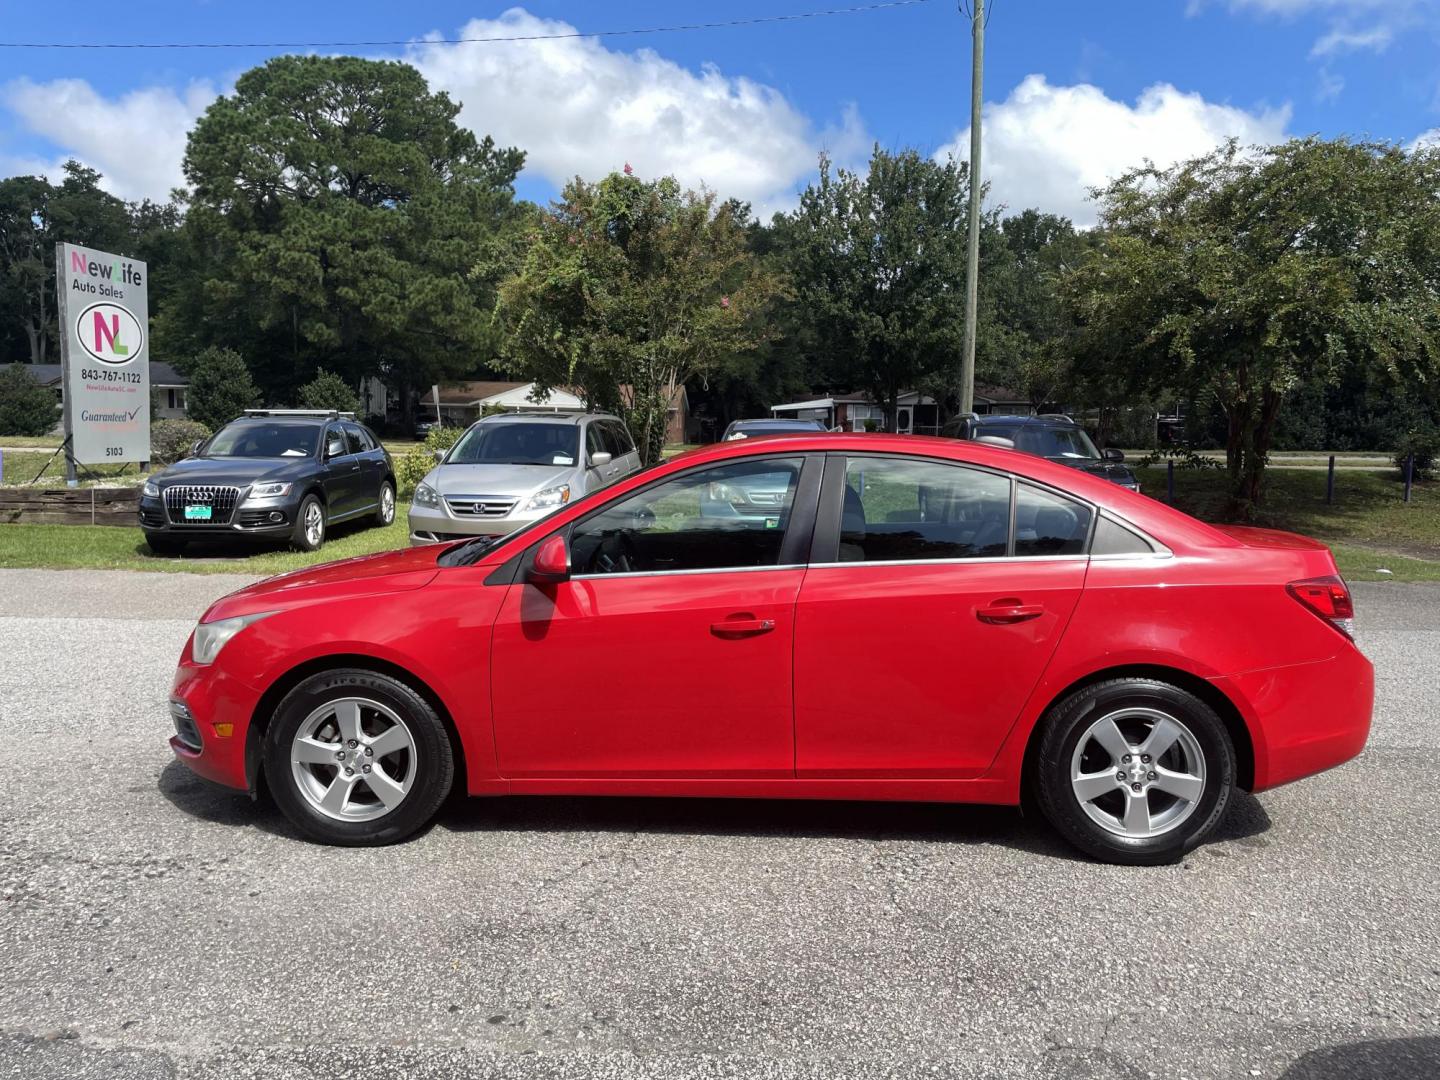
(385, 512)
(357, 758)
(309, 531)
(1134, 771)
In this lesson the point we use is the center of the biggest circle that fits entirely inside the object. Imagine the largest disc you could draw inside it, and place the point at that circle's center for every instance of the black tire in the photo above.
(430, 757)
(299, 534)
(1072, 719)
(161, 544)
(381, 517)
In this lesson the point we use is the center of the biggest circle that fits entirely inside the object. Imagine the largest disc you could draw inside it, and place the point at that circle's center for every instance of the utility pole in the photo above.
(972, 262)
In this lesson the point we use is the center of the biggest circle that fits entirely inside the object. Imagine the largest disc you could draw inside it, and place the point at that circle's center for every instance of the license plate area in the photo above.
(198, 513)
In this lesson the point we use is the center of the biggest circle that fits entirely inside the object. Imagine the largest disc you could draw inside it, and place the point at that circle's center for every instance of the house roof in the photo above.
(161, 374)
(472, 393)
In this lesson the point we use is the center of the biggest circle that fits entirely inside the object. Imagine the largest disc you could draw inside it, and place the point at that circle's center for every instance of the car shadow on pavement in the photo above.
(220, 805)
(1378, 1059)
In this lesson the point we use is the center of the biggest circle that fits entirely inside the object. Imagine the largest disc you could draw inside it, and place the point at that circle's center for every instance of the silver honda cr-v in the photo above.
(507, 470)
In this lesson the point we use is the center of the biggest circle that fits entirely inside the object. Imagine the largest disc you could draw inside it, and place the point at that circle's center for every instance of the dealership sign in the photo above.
(104, 353)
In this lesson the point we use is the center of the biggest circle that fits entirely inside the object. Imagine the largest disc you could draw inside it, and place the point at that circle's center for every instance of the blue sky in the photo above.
(1075, 91)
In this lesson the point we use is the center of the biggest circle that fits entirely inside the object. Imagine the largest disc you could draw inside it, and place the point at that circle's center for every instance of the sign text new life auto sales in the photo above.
(104, 352)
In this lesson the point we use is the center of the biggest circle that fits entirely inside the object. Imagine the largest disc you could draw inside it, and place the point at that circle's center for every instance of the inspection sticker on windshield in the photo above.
(197, 513)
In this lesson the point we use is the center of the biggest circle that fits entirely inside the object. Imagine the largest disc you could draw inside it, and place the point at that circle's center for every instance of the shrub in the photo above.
(419, 461)
(170, 440)
(220, 387)
(26, 407)
(1424, 444)
(327, 391)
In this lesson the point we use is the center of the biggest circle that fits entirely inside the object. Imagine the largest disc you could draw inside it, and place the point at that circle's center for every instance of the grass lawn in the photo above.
(105, 547)
(41, 441)
(22, 466)
(1368, 526)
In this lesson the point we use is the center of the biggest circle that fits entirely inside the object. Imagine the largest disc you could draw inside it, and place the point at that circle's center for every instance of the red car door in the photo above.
(927, 618)
(668, 652)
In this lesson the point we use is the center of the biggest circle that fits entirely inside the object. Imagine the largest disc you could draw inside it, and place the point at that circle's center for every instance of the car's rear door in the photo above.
(936, 595)
(372, 466)
(668, 652)
(623, 448)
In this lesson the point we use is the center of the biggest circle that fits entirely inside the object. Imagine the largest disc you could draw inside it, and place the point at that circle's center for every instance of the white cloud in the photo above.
(577, 107)
(137, 140)
(1047, 145)
(1427, 140)
(1376, 39)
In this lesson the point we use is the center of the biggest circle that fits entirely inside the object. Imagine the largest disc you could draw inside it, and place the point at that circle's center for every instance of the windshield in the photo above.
(269, 440)
(517, 444)
(1050, 442)
(746, 428)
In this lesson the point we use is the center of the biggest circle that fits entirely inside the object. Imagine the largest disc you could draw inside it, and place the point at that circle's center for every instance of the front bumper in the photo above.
(437, 524)
(211, 712)
(251, 517)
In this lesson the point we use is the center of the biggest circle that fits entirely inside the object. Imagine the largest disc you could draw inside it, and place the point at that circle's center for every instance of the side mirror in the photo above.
(1111, 454)
(599, 458)
(551, 563)
(195, 448)
(438, 455)
(334, 449)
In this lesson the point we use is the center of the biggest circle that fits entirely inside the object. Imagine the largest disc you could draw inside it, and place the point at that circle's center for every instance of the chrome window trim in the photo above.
(679, 573)
(1015, 560)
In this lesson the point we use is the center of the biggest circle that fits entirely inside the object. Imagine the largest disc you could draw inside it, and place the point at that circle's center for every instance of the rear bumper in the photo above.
(1305, 718)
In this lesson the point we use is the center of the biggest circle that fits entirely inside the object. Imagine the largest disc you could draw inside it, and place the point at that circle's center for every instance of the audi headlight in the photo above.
(425, 495)
(150, 490)
(270, 490)
(211, 637)
(549, 498)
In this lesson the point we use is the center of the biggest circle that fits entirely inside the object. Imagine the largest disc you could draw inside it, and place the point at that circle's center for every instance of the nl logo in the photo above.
(109, 333)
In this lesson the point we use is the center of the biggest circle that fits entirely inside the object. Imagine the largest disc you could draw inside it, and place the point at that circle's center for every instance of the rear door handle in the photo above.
(1008, 610)
(732, 628)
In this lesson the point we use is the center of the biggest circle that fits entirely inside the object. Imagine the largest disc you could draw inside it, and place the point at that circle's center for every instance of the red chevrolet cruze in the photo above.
(826, 617)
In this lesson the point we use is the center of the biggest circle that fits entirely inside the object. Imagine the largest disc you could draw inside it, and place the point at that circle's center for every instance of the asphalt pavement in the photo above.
(152, 925)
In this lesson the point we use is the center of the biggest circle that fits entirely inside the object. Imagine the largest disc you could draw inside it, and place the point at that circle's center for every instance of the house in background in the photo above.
(461, 404)
(167, 387)
(915, 413)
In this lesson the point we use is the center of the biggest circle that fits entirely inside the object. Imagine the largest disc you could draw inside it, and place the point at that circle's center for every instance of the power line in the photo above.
(677, 28)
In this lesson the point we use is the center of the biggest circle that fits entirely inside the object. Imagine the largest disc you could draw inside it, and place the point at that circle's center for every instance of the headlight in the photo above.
(549, 498)
(150, 491)
(425, 495)
(210, 637)
(269, 490)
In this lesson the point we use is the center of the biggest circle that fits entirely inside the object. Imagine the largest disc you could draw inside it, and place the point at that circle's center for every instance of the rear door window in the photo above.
(1049, 524)
(900, 509)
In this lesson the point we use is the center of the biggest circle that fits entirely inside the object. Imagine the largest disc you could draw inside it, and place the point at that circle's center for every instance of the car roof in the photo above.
(779, 421)
(545, 418)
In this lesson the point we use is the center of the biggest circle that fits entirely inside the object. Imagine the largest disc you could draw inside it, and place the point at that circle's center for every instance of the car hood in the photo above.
(235, 471)
(515, 480)
(1114, 471)
(364, 575)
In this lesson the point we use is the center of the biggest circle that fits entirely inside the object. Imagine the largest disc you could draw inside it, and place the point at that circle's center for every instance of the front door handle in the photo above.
(734, 628)
(1007, 611)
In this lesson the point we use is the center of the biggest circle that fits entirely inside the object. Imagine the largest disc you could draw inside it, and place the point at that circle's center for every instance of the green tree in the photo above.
(220, 387)
(630, 289)
(26, 407)
(1248, 273)
(337, 217)
(35, 215)
(878, 265)
(327, 391)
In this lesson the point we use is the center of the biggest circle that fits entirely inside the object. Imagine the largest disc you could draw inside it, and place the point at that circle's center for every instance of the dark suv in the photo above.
(1051, 436)
(277, 474)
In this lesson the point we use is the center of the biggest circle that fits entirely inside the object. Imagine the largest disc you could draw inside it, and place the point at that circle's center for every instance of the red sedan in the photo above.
(828, 617)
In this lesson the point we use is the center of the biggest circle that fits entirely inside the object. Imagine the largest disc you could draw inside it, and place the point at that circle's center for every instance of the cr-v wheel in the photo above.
(1134, 770)
(354, 757)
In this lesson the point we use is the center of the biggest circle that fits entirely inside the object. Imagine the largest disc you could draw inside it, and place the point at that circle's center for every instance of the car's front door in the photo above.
(343, 473)
(668, 651)
(926, 617)
(598, 476)
(372, 466)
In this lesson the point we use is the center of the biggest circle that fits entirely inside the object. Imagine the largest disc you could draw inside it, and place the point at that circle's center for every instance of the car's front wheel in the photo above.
(1134, 771)
(357, 758)
(309, 531)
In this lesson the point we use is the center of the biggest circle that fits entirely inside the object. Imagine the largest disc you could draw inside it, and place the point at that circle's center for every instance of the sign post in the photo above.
(104, 310)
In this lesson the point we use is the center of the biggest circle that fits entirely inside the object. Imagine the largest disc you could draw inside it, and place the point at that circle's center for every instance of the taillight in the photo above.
(1328, 597)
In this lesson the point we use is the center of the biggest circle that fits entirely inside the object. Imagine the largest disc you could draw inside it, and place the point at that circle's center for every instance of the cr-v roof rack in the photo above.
(327, 414)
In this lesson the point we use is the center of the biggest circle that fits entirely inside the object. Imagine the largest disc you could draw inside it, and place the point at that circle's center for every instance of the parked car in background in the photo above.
(424, 427)
(273, 474)
(913, 619)
(1051, 436)
(512, 469)
(746, 429)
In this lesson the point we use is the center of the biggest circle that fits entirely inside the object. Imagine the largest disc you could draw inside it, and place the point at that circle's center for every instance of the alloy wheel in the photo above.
(353, 759)
(314, 524)
(387, 503)
(1138, 772)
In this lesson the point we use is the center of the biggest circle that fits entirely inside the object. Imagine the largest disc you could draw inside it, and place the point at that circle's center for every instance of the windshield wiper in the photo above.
(468, 553)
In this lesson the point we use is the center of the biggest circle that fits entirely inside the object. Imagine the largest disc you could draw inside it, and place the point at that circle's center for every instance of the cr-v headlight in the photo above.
(211, 637)
(549, 498)
(425, 495)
